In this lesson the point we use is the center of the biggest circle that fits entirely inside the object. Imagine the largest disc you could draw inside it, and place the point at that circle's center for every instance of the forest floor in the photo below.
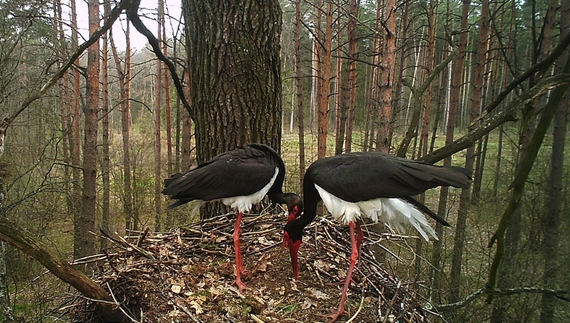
(187, 275)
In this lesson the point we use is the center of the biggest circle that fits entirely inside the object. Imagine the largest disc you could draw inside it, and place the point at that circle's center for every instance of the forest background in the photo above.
(93, 126)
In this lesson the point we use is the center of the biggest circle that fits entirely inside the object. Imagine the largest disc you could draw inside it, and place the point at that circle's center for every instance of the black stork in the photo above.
(371, 185)
(238, 178)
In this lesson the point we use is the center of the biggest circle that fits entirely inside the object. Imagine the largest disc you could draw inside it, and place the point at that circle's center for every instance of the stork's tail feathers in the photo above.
(179, 202)
(171, 188)
(426, 210)
(398, 213)
(169, 181)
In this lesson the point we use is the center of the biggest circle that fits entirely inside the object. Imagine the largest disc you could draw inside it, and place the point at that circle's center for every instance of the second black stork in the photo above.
(371, 185)
(238, 178)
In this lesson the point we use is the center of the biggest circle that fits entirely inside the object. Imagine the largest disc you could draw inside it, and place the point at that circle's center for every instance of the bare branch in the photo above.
(540, 66)
(518, 184)
(558, 293)
(132, 14)
(486, 125)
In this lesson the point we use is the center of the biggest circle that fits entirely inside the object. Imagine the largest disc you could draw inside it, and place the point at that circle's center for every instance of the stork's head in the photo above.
(294, 206)
(293, 232)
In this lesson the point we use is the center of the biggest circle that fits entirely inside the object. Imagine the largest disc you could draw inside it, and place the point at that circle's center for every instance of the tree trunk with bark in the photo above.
(167, 108)
(551, 232)
(324, 93)
(430, 55)
(75, 122)
(340, 93)
(234, 64)
(351, 82)
(124, 76)
(454, 94)
(465, 197)
(158, 180)
(84, 223)
(374, 80)
(299, 91)
(105, 144)
(387, 77)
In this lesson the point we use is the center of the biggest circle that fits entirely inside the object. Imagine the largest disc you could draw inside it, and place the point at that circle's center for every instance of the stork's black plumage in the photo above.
(373, 185)
(238, 178)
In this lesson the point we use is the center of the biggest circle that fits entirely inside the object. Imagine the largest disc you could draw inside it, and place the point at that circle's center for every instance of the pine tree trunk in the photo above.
(352, 72)
(430, 57)
(299, 91)
(465, 197)
(551, 221)
(324, 93)
(454, 94)
(124, 73)
(75, 121)
(157, 131)
(388, 67)
(84, 223)
(66, 108)
(373, 96)
(105, 159)
(340, 94)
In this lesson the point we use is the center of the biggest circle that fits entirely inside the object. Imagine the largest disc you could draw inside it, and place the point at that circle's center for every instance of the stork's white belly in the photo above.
(394, 212)
(244, 203)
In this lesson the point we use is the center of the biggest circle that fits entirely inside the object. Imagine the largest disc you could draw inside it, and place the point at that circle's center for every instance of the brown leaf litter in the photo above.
(187, 275)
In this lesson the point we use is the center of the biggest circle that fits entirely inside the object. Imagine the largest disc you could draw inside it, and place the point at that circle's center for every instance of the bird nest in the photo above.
(187, 275)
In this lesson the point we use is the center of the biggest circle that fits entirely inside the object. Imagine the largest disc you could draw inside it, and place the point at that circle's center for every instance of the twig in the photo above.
(357, 311)
(88, 259)
(503, 292)
(186, 311)
(392, 301)
(119, 304)
(317, 274)
(142, 236)
(264, 248)
(256, 319)
(138, 249)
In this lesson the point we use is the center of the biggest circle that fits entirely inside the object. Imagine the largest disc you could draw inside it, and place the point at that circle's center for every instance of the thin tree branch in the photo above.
(540, 66)
(518, 183)
(114, 14)
(491, 122)
(558, 293)
(132, 14)
(417, 93)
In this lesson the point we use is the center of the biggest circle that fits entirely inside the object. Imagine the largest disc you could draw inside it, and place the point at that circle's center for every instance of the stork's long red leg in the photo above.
(356, 241)
(237, 250)
(359, 236)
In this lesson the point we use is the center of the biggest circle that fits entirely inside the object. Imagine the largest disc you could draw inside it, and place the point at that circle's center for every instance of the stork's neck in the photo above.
(295, 227)
(309, 215)
(283, 198)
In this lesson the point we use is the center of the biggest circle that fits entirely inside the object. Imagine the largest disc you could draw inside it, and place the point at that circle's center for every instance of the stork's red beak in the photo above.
(293, 251)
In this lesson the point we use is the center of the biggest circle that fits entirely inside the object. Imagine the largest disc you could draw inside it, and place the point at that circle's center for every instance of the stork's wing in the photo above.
(365, 176)
(226, 175)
